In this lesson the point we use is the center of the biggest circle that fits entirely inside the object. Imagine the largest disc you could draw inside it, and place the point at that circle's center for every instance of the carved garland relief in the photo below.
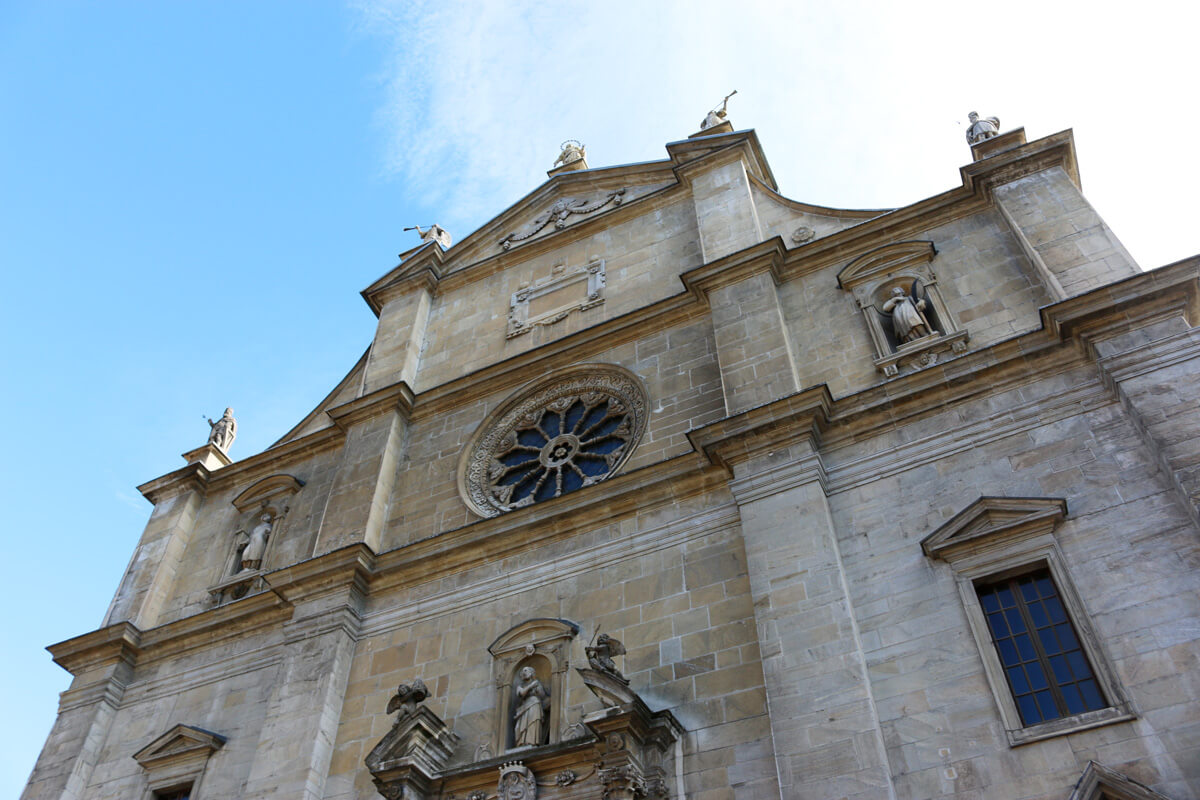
(560, 212)
(569, 431)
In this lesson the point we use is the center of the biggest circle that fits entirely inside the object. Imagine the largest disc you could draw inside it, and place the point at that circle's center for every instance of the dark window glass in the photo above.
(175, 794)
(1047, 671)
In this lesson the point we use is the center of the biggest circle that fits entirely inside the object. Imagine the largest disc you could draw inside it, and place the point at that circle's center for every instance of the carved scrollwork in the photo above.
(558, 213)
(622, 782)
(516, 782)
(564, 435)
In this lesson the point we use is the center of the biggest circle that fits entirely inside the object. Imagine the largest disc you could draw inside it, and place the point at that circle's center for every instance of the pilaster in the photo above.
(396, 351)
(725, 211)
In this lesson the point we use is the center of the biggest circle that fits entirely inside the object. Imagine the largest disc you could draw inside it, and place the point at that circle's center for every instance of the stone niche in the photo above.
(873, 278)
(262, 509)
(619, 751)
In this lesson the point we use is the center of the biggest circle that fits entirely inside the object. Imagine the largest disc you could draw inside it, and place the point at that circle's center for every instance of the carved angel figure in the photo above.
(408, 697)
(600, 656)
(529, 718)
(981, 129)
(908, 321)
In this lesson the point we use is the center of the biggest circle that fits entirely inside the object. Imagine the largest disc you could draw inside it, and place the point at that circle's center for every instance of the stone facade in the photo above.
(789, 549)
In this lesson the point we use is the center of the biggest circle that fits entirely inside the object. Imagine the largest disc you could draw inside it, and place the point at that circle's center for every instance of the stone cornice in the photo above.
(799, 417)
(736, 267)
(398, 397)
(193, 477)
(422, 270)
(1055, 150)
(708, 151)
(115, 643)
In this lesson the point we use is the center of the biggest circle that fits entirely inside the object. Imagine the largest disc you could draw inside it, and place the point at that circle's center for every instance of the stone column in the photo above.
(396, 351)
(291, 759)
(754, 349)
(1062, 233)
(102, 663)
(357, 505)
(150, 576)
(725, 212)
(826, 731)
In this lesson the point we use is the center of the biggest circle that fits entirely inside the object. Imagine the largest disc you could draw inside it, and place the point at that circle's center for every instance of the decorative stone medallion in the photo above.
(567, 431)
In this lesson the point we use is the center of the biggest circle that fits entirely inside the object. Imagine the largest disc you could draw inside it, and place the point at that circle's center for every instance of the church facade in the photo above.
(663, 485)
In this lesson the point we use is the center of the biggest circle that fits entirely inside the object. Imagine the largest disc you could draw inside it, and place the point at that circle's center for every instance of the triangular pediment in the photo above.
(181, 740)
(991, 519)
(1098, 782)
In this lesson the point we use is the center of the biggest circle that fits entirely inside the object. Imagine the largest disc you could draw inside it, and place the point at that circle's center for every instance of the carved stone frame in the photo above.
(536, 642)
(560, 277)
(270, 495)
(177, 759)
(996, 537)
(871, 278)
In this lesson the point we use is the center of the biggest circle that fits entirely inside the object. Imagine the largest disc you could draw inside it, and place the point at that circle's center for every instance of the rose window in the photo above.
(560, 437)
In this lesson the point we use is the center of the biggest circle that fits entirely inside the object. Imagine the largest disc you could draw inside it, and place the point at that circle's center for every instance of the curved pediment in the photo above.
(279, 485)
(532, 632)
(883, 260)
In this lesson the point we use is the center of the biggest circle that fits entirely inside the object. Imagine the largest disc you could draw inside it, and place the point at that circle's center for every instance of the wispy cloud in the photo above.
(859, 104)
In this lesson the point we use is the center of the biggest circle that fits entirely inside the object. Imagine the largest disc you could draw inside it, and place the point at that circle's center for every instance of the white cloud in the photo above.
(858, 104)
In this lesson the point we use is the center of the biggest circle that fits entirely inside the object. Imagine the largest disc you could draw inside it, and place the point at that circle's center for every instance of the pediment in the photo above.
(278, 485)
(992, 519)
(533, 632)
(898, 256)
(1098, 782)
(181, 741)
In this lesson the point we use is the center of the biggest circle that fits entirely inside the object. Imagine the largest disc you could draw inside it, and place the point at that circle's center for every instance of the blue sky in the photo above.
(194, 193)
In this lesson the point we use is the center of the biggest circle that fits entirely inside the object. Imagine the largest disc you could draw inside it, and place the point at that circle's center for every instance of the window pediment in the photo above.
(994, 520)
(178, 756)
(1098, 782)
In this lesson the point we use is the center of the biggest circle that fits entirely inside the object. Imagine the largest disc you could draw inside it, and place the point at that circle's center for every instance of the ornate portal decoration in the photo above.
(568, 431)
(549, 300)
(516, 782)
(558, 213)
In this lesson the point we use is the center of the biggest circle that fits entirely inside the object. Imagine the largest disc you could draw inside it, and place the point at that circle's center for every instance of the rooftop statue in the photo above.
(981, 129)
(572, 150)
(718, 114)
(223, 431)
(435, 233)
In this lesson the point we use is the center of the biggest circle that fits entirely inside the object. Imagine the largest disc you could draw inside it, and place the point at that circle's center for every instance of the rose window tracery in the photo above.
(571, 431)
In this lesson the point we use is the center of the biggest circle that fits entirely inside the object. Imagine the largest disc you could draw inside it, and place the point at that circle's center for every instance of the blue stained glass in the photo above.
(1091, 695)
(1046, 586)
(1008, 653)
(1005, 595)
(1049, 642)
(591, 466)
(550, 423)
(1045, 702)
(1029, 709)
(1016, 677)
(603, 445)
(592, 417)
(999, 628)
(547, 489)
(1074, 699)
(1056, 610)
(1037, 678)
(574, 413)
(1078, 665)
(1029, 591)
(511, 459)
(1025, 648)
(1037, 613)
(531, 438)
(1067, 637)
(990, 603)
(1062, 673)
(1015, 623)
(517, 475)
(571, 480)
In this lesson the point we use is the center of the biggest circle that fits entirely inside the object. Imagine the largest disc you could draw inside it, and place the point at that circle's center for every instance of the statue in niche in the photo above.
(718, 115)
(600, 656)
(223, 431)
(257, 543)
(908, 318)
(532, 705)
(979, 130)
(572, 150)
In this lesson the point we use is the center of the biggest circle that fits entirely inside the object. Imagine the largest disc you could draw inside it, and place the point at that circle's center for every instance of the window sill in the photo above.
(1066, 725)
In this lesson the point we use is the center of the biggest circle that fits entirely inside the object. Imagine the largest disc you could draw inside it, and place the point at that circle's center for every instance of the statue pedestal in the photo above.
(574, 166)
(725, 126)
(1009, 140)
(209, 456)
